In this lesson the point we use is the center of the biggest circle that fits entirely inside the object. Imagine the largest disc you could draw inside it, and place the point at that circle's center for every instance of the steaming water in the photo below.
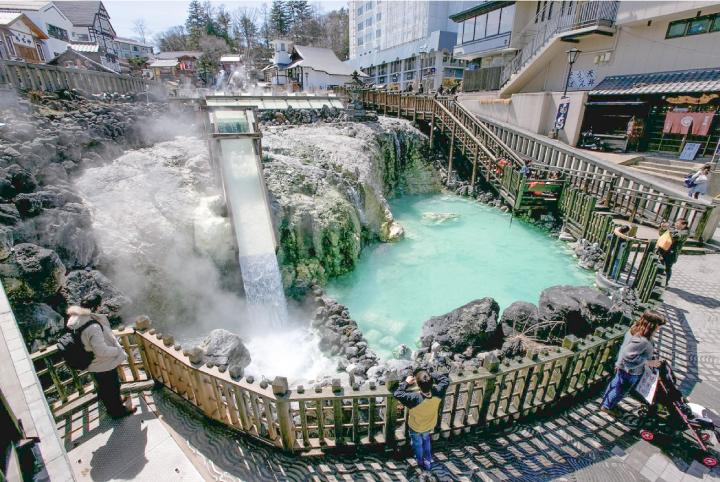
(254, 232)
(155, 217)
(454, 251)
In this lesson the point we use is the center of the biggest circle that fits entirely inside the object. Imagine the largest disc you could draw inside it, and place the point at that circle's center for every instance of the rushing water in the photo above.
(455, 250)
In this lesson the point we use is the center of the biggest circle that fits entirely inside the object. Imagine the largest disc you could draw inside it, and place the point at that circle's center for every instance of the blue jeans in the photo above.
(421, 445)
(621, 383)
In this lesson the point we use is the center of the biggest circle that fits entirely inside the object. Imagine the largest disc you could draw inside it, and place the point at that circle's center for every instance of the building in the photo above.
(48, 18)
(638, 66)
(405, 42)
(304, 68)
(91, 25)
(72, 59)
(175, 65)
(128, 48)
(20, 38)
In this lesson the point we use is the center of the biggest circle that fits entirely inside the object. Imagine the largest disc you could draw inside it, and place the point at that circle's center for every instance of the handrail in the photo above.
(590, 13)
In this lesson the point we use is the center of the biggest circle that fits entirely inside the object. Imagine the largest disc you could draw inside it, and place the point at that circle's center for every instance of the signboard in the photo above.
(690, 151)
(582, 79)
(562, 113)
(647, 385)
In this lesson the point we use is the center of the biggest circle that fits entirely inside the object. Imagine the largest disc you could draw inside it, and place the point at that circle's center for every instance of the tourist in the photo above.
(636, 352)
(699, 182)
(440, 91)
(423, 407)
(525, 169)
(98, 338)
(409, 88)
(621, 232)
(670, 243)
(421, 89)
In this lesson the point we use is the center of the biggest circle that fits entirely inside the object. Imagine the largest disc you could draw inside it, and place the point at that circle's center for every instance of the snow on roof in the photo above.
(323, 60)
(33, 5)
(164, 63)
(9, 18)
(6, 18)
(85, 47)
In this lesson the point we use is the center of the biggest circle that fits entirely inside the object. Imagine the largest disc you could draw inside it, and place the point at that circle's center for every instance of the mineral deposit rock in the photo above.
(222, 347)
(32, 273)
(578, 308)
(472, 325)
(83, 286)
(38, 322)
(519, 317)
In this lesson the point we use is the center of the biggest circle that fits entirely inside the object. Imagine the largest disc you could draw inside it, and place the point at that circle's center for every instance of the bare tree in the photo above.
(140, 28)
(246, 30)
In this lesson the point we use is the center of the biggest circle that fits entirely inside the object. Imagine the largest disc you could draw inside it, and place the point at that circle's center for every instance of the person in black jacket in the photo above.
(423, 407)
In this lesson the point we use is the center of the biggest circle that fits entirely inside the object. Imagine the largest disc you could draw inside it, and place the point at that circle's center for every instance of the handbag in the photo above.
(664, 242)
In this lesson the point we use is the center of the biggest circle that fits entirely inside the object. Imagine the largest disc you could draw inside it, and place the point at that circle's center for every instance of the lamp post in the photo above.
(572, 56)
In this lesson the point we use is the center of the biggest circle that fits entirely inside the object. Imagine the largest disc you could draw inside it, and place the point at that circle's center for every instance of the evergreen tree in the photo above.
(195, 24)
(280, 18)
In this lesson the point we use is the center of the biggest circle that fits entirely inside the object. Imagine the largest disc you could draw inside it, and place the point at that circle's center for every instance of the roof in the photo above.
(696, 80)
(81, 14)
(179, 53)
(74, 53)
(230, 58)
(33, 5)
(9, 18)
(85, 47)
(131, 41)
(478, 10)
(323, 60)
(164, 63)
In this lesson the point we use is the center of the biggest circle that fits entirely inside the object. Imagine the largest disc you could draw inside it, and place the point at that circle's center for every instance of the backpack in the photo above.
(73, 351)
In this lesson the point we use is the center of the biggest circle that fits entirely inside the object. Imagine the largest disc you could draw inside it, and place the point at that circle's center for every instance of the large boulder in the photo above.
(32, 273)
(91, 286)
(472, 325)
(577, 309)
(39, 323)
(222, 347)
(519, 317)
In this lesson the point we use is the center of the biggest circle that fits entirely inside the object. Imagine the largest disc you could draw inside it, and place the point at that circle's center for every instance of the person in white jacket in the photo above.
(700, 182)
(98, 338)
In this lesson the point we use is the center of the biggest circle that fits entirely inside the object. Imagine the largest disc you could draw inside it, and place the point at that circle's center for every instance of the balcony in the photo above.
(476, 48)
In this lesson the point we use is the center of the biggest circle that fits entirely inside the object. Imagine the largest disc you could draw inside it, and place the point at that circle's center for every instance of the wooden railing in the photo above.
(67, 389)
(50, 78)
(632, 262)
(319, 418)
(485, 141)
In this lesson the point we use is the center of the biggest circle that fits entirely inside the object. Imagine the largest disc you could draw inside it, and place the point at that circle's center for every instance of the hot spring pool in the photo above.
(455, 250)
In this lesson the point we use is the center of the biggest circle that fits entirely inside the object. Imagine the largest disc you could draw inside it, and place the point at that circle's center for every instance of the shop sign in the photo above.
(686, 99)
(582, 79)
(690, 151)
(562, 113)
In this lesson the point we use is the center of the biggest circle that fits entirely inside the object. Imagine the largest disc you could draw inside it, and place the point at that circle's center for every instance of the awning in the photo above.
(616, 102)
(163, 64)
(675, 82)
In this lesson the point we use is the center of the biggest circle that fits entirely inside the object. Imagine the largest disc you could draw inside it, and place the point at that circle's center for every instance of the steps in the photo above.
(666, 169)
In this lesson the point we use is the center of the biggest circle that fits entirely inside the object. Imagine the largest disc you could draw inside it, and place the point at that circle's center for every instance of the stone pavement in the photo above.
(576, 444)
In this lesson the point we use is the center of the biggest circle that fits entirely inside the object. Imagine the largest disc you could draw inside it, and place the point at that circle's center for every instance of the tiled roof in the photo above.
(81, 14)
(178, 54)
(678, 81)
(164, 63)
(323, 60)
(33, 5)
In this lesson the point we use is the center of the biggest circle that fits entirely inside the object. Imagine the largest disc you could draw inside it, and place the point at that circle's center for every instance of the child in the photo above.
(423, 407)
(635, 352)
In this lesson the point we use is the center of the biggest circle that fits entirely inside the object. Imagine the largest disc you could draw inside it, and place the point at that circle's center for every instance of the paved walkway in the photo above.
(577, 444)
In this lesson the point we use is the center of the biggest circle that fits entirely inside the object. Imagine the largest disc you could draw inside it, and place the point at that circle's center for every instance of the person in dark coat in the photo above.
(679, 234)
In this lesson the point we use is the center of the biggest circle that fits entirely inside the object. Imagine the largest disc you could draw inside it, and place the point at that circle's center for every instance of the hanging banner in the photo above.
(562, 113)
(686, 99)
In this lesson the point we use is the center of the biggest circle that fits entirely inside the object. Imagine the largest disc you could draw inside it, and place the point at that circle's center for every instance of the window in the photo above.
(468, 30)
(506, 18)
(10, 46)
(359, 41)
(693, 26)
(377, 33)
(360, 11)
(493, 23)
(40, 52)
(368, 6)
(699, 25)
(480, 25)
(83, 37)
(57, 32)
(378, 17)
(361, 25)
(368, 22)
(409, 75)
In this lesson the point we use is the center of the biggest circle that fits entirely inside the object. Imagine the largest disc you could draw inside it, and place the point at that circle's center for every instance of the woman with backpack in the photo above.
(698, 182)
(96, 336)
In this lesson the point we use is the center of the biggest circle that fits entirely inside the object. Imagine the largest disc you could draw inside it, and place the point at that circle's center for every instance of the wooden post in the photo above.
(432, 129)
(282, 406)
(473, 177)
(491, 363)
(338, 411)
(390, 409)
(450, 153)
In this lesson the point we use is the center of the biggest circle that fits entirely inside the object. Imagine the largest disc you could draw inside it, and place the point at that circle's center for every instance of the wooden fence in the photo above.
(50, 78)
(622, 192)
(481, 79)
(318, 418)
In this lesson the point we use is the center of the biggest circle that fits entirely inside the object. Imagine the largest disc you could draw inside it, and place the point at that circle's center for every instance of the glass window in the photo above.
(359, 41)
(10, 46)
(676, 29)
(716, 24)
(368, 6)
(378, 17)
(480, 26)
(506, 18)
(699, 25)
(40, 52)
(468, 30)
(368, 22)
(493, 23)
(360, 10)
(378, 33)
(57, 32)
(361, 25)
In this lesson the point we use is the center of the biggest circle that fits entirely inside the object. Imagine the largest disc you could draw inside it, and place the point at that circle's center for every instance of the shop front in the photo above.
(666, 112)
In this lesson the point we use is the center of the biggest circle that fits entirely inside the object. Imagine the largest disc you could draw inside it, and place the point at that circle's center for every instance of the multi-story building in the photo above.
(637, 67)
(91, 25)
(20, 38)
(405, 42)
(49, 19)
(128, 48)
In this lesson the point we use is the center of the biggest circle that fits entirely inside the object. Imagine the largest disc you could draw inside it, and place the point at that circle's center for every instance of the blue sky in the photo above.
(159, 15)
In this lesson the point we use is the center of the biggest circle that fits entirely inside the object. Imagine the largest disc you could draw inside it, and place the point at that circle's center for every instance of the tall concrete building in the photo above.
(402, 42)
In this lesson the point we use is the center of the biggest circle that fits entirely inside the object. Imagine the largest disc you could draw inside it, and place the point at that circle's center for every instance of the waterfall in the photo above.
(254, 232)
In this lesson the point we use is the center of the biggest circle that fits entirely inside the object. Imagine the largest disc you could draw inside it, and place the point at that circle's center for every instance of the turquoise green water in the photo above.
(455, 250)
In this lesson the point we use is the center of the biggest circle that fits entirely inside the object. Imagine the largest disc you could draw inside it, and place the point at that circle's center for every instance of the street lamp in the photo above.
(572, 56)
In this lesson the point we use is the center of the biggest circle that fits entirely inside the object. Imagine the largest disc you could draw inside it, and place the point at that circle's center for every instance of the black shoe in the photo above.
(124, 413)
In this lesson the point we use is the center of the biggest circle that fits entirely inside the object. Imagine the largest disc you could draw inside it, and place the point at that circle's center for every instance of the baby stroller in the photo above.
(670, 414)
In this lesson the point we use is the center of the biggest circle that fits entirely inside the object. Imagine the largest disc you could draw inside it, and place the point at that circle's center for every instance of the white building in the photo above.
(306, 68)
(128, 48)
(47, 17)
(405, 42)
(91, 25)
(637, 59)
